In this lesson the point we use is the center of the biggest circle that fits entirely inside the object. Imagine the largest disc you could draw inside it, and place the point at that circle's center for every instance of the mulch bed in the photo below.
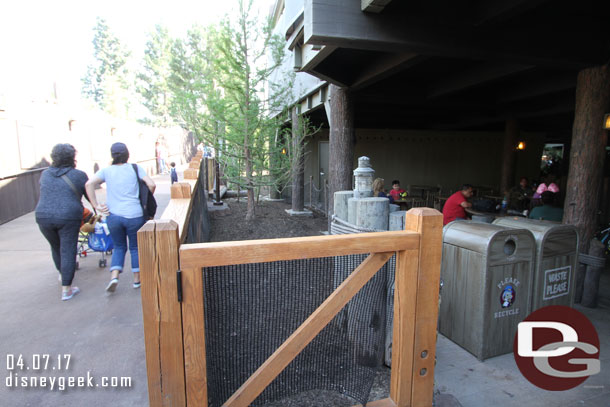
(271, 221)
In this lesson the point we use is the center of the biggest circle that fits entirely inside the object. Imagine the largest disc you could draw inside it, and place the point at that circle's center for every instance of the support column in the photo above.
(588, 151)
(298, 164)
(511, 136)
(341, 142)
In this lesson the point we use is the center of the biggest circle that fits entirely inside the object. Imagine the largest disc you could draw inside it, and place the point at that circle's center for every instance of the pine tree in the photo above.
(153, 79)
(247, 55)
(107, 79)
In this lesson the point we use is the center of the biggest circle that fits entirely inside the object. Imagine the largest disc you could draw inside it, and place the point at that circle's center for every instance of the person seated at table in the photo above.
(548, 210)
(455, 207)
(379, 190)
(519, 196)
(396, 190)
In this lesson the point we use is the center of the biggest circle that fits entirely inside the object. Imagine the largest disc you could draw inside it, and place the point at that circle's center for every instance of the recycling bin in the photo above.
(487, 273)
(556, 260)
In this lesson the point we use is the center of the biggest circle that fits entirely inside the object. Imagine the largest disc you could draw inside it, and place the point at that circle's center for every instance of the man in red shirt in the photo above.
(456, 204)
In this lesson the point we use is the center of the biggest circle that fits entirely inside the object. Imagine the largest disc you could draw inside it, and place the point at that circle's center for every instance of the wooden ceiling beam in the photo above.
(373, 6)
(489, 12)
(382, 68)
(540, 45)
(560, 107)
(531, 89)
(480, 75)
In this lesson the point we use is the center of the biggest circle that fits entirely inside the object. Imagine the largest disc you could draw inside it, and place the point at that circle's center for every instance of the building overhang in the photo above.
(455, 65)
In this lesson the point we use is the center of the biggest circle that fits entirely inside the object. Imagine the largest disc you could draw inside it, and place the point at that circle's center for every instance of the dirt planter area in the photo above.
(271, 222)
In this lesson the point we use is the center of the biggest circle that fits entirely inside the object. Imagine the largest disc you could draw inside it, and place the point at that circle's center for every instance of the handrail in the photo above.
(267, 250)
(181, 198)
(21, 174)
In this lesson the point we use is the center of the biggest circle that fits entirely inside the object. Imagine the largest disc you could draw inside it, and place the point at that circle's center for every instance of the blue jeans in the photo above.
(121, 230)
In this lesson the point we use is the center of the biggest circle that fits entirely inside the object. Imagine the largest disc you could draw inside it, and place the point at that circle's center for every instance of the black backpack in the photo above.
(484, 205)
(147, 200)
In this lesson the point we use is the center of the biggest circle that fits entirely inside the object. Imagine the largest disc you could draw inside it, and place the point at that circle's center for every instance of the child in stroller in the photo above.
(94, 236)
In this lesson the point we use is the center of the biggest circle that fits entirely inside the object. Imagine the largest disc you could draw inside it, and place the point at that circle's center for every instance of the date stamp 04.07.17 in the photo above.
(50, 371)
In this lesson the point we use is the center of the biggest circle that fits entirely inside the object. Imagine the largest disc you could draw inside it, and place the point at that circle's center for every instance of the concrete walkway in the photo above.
(103, 336)
(101, 333)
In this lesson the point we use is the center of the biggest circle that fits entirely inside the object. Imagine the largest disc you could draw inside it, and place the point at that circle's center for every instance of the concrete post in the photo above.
(340, 204)
(372, 213)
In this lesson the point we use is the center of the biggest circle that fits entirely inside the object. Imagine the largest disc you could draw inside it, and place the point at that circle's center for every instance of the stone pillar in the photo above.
(511, 137)
(397, 220)
(340, 204)
(341, 141)
(587, 155)
(372, 213)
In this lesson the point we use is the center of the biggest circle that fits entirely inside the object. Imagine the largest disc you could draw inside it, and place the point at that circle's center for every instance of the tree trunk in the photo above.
(588, 151)
(249, 185)
(341, 143)
(511, 135)
(273, 164)
(298, 164)
(217, 182)
(247, 147)
(593, 274)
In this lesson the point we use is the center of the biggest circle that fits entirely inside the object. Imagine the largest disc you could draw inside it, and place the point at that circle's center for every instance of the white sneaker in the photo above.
(112, 285)
(66, 295)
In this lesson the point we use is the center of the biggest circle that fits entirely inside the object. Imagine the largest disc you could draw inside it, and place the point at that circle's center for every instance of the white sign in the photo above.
(557, 282)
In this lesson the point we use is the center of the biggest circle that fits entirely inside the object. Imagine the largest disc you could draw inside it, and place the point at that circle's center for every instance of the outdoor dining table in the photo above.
(408, 203)
(488, 216)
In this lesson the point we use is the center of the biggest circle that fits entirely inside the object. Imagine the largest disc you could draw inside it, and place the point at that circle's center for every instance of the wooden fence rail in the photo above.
(174, 331)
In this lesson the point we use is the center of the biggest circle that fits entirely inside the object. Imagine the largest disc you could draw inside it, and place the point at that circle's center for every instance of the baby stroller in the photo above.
(94, 236)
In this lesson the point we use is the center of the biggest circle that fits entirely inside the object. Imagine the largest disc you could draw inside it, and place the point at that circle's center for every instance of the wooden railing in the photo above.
(174, 331)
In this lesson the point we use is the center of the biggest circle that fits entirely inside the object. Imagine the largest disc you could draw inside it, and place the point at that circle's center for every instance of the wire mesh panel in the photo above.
(251, 309)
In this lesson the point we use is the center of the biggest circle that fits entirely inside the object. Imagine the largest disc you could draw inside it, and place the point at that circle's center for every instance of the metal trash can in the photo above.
(556, 260)
(486, 270)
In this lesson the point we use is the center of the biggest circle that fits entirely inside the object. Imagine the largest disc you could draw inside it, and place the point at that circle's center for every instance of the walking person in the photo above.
(173, 173)
(161, 154)
(60, 211)
(125, 215)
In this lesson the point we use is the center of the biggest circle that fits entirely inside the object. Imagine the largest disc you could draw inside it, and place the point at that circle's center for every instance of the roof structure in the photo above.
(447, 65)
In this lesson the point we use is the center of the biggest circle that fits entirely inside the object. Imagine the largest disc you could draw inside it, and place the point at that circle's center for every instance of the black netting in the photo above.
(250, 310)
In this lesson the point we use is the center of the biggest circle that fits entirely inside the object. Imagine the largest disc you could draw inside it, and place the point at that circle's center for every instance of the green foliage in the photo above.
(108, 77)
(219, 86)
(152, 79)
(217, 83)
(247, 53)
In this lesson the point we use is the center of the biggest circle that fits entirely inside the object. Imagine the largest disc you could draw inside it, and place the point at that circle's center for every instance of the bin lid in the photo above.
(552, 238)
(499, 243)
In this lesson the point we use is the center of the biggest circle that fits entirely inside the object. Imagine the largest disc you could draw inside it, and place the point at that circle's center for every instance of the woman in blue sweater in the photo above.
(60, 211)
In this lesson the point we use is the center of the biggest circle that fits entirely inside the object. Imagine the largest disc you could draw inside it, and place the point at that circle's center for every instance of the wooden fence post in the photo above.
(428, 223)
(158, 246)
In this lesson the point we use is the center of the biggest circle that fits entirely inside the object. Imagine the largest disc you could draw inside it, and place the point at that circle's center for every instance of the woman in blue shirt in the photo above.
(125, 215)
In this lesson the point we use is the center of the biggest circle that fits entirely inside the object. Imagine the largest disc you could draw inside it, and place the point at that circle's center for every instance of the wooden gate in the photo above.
(174, 327)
